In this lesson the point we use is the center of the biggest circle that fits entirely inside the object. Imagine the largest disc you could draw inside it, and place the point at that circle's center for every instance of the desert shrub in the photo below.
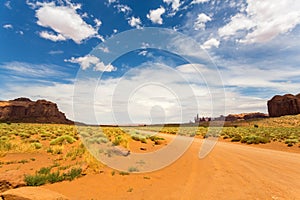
(5, 145)
(54, 177)
(140, 138)
(4, 138)
(55, 150)
(291, 141)
(123, 173)
(24, 135)
(254, 139)
(117, 141)
(60, 140)
(44, 176)
(236, 138)
(155, 138)
(72, 174)
(23, 161)
(225, 137)
(36, 145)
(94, 140)
(35, 180)
(76, 152)
(133, 169)
(44, 170)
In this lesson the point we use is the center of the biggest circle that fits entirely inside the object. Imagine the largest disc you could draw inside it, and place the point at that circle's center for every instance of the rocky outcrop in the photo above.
(245, 116)
(32, 193)
(284, 105)
(25, 110)
(11, 179)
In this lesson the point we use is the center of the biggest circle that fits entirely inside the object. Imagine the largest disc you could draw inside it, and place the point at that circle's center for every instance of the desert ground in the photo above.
(249, 161)
(230, 171)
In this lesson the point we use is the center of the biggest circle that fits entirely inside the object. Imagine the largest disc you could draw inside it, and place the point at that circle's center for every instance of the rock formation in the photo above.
(25, 110)
(284, 105)
(245, 116)
(11, 179)
(30, 193)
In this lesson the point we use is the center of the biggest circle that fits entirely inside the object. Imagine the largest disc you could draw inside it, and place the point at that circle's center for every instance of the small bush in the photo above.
(55, 177)
(37, 145)
(63, 139)
(236, 138)
(124, 173)
(117, 141)
(133, 169)
(23, 161)
(44, 170)
(254, 139)
(140, 138)
(72, 174)
(24, 135)
(292, 141)
(35, 180)
(5, 146)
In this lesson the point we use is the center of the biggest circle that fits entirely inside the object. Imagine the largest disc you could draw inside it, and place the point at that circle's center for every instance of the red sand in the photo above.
(230, 171)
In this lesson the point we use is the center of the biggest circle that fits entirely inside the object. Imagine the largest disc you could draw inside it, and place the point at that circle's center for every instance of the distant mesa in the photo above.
(27, 111)
(245, 116)
(287, 104)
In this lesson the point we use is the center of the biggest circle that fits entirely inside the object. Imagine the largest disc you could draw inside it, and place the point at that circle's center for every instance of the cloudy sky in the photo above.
(101, 63)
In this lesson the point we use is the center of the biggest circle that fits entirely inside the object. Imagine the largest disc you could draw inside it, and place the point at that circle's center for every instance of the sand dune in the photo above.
(230, 171)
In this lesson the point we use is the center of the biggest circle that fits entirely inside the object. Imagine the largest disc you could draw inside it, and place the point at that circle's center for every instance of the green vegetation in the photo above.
(259, 131)
(44, 176)
(123, 173)
(63, 139)
(133, 169)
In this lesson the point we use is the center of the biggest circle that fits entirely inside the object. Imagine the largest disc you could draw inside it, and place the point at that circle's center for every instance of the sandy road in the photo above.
(230, 171)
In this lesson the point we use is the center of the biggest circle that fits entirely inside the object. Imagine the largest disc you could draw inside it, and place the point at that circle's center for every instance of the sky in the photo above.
(156, 61)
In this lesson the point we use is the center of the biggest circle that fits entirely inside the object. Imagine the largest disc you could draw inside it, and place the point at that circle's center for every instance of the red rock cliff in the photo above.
(284, 105)
(25, 110)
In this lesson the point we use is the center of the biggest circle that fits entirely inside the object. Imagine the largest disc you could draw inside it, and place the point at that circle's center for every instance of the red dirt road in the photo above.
(230, 171)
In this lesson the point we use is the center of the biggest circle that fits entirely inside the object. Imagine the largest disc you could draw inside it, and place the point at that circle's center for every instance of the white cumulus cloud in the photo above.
(201, 20)
(155, 15)
(7, 26)
(199, 1)
(175, 4)
(135, 22)
(263, 20)
(51, 36)
(213, 42)
(65, 22)
(89, 61)
(123, 8)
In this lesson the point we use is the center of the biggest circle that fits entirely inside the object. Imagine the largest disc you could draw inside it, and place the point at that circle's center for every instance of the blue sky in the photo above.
(249, 51)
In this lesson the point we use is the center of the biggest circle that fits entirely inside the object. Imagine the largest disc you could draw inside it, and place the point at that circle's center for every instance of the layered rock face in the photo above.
(284, 105)
(25, 110)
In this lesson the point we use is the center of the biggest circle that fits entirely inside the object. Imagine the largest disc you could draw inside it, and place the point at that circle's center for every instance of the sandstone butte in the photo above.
(287, 104)
(27, 111)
